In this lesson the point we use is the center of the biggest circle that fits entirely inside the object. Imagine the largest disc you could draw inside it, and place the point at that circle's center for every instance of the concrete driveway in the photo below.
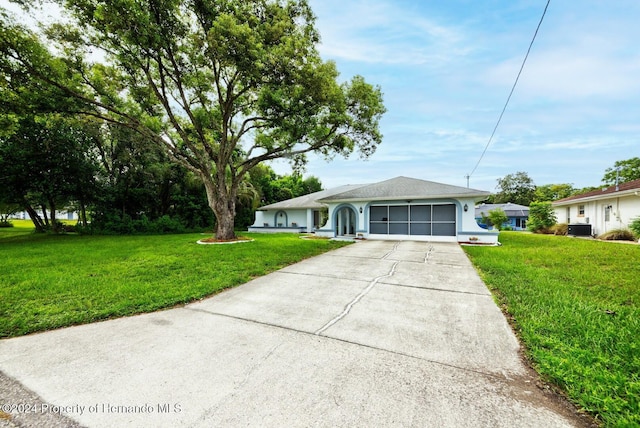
(374, 334)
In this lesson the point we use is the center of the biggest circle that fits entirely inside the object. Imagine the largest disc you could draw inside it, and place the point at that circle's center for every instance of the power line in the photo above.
(510, 94)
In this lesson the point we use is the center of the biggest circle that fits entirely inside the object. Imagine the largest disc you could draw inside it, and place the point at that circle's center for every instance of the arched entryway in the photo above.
(281, 219)
(346, 221)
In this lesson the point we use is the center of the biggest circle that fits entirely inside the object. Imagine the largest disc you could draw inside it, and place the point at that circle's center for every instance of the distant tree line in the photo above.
(115, 180)
(520, 189)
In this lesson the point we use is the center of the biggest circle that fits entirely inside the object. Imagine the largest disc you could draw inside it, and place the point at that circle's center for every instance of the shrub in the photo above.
(61, 227)
(498, 218)
(485, 221)
(560, 229)
(541, 217)
(166, 224)
(112, 224)
(618, 235)
(635, 226)
(6, 223)
(545, 231)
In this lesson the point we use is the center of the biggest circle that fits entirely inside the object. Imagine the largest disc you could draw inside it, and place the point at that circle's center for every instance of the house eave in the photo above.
(603, 196)
(409, 198)
(274, 207)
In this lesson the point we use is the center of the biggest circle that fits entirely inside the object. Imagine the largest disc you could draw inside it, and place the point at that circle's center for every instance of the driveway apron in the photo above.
(377, 333)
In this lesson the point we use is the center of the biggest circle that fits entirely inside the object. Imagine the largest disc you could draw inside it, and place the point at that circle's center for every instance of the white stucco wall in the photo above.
(301, 217)
(623, 210)
(274, 218)
(260, 220)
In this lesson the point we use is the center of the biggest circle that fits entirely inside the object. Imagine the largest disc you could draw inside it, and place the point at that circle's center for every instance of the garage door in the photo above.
(425, 219)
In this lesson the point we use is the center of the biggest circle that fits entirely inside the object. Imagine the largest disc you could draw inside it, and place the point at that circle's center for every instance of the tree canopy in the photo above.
(220, 85)
(45, 166)
(622, 172)
(541, 216)
(553, 192)
(517, 188)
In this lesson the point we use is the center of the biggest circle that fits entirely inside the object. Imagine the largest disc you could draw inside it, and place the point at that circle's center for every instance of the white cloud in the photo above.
(383, 33)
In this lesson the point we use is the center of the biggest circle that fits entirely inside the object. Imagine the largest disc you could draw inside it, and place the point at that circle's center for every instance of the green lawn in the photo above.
(49, 281)
(576, 306)
(575, 303)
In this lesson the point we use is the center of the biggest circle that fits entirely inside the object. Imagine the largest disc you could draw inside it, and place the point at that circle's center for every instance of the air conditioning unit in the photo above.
(579, 230)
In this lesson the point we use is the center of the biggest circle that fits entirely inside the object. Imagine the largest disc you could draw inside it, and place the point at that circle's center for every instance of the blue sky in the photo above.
(446, 69)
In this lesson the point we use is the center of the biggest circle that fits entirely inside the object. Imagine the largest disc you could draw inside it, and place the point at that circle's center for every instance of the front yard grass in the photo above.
(575, 304)
(49, 281)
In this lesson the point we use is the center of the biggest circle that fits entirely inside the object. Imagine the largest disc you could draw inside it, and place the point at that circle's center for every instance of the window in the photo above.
(379, 220)
(420, 219)
(379, 213)
(607, 213)
(580, 210)
(400, 213)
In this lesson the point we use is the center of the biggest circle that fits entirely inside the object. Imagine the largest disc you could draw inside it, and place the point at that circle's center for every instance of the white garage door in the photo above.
(423, 219)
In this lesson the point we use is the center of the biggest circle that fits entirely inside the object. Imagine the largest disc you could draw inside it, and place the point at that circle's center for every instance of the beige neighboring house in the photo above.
(604, 209)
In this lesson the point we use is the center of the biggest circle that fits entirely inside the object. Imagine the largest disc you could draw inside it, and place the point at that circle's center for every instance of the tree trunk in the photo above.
(35, 218)
(52, 215)
(83, 214)
(225, 221)
(222, 202)
(43, 207)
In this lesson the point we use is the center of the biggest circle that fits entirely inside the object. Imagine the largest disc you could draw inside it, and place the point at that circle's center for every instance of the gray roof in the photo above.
(404, 188)
(310, 200)
(511, 210)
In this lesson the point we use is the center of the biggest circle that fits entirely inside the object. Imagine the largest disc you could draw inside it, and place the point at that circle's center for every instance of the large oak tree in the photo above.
(222, 85)
(516, 188)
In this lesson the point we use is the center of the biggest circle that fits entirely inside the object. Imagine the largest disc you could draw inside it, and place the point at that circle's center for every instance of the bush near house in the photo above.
(575, 304)
(541, 217)
(498, 218)
(635, 226)
(560, 229)
(618, 235)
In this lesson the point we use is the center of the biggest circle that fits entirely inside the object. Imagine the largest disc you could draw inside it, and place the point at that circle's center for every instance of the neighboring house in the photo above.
(517, 214)
(60, 215)
(400, 208)
(606, 209)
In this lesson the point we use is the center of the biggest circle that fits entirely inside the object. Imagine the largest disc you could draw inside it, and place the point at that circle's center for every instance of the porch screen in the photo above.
(424, 219)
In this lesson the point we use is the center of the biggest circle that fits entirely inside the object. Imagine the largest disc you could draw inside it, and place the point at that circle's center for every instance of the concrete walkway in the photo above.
(373, 334)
